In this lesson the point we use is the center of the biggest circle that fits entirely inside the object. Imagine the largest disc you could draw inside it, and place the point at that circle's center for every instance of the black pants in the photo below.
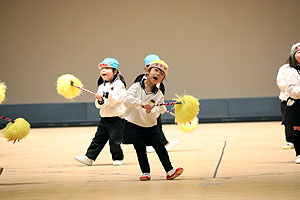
(141, 137)
(109, 128)
(160, 150)
(289, 131)
(297, 142)
(159, 125)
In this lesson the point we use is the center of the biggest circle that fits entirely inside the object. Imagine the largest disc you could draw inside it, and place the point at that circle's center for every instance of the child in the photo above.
(141, 127)
(169, 145)
(282, 83)
(292, 112)
(109, 99)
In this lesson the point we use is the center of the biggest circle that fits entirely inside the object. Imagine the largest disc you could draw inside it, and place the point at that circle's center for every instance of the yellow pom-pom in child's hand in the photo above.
(16, 130)
(65, 88)
(2, 91)
(186, 109)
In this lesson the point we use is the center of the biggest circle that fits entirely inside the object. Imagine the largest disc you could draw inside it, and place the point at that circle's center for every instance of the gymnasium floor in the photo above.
(253, 166)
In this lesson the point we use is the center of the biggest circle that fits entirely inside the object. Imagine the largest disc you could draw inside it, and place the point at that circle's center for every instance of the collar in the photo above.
(142, 83)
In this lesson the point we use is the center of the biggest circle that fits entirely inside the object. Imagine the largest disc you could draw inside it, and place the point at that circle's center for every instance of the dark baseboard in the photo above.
(85, 114)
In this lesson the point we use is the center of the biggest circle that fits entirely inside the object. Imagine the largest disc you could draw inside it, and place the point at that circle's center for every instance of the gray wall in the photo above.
(86, 114)
(215, 48)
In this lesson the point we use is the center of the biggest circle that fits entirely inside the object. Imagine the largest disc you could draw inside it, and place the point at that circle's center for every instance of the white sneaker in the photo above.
(171, 144)
(173, 173)
(150, 149)
(84, 160)
(288, 145)
(145, 177)
(117, 162)
(297, 160)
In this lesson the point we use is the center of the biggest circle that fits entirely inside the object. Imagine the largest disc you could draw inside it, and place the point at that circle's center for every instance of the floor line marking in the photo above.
(219, 162)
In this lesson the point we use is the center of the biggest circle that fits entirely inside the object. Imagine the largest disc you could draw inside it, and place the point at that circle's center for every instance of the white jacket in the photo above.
(293, 84)
(113, 105)
(282, 81)
(134, 113)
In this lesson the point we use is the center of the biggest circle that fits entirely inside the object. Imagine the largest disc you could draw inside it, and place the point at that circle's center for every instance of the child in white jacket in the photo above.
(109, 99)
(292, 112)
(282, 84)
(141, 116)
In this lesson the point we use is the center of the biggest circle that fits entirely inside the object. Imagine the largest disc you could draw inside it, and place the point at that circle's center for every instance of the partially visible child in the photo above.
(282, 84)
(169, 145)
(141, 116)
(292, 112)
(109, 99)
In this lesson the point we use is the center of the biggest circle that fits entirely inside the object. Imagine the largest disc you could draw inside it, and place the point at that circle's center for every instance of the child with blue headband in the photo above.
(109, 99)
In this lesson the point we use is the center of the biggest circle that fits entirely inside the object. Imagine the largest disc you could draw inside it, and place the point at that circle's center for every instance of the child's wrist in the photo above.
(100, 102)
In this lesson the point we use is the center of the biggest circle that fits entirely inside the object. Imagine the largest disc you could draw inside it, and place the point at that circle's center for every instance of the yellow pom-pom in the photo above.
(65, 88)
(2, 91)
(189, 126)
(187, 110)
(16, 130)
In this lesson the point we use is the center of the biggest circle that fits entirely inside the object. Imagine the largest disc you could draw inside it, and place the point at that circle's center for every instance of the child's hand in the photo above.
(147, 106)
(99, 96)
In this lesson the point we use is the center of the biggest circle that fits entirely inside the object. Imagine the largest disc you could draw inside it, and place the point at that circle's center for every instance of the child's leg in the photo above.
(98, 142)
(115, 129)
(165, 160)
(116, 151)
(140, 149)
(162, 154)
(288, 129)
(297, 142)
(289, 133)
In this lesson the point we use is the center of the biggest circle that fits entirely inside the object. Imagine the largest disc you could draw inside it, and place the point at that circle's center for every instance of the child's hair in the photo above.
(292, 60)
(116, 76)
(139, 78)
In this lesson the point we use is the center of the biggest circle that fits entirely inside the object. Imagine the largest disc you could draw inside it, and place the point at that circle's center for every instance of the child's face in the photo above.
(107, 73)
(297, 56)
(156, 75)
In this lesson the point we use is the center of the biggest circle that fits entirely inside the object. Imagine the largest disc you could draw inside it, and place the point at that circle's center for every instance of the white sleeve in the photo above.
(281, 79)
(293, 85)
(130, 98)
